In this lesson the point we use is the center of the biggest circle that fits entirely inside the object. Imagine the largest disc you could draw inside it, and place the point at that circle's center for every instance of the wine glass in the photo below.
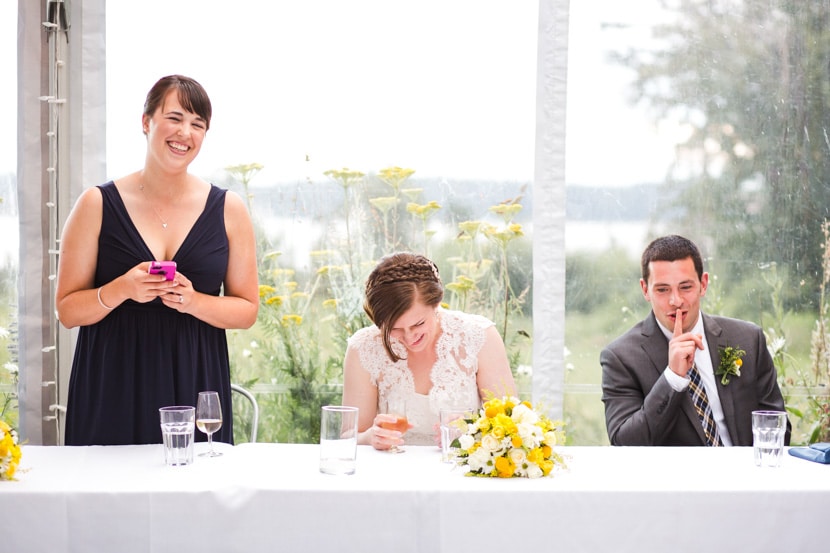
(397, 408)
(209, 419)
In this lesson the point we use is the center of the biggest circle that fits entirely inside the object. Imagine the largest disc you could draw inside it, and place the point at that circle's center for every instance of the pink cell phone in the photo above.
(166, 268)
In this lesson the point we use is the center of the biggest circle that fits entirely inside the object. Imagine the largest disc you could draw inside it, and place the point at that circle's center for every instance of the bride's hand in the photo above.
(385, 438)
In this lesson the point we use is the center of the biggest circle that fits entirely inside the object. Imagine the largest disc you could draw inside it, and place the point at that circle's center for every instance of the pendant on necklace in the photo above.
(163, 222)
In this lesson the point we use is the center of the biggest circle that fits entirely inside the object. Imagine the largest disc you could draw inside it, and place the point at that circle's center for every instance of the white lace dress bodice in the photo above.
(453, 376)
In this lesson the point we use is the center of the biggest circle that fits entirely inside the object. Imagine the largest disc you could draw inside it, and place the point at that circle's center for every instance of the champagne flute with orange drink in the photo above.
(397, 408)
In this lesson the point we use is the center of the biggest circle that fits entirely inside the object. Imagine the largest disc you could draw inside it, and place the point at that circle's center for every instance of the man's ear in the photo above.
(644, 286)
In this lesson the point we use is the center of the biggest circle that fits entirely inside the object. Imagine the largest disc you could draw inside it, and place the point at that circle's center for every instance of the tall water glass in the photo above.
(177, 424)
(768, 430)
(338, 439)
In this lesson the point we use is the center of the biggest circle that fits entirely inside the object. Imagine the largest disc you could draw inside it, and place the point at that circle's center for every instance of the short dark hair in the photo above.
(192, 96)
(671, 248)
(398, 280)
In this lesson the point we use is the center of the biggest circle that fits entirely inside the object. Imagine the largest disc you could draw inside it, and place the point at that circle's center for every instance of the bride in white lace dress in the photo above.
(416, 351)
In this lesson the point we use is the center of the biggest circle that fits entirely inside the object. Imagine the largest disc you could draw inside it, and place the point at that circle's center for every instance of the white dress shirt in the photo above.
(707, 377)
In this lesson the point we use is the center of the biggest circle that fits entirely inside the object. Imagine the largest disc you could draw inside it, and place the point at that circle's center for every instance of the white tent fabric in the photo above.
(61, 147)
(78, 157)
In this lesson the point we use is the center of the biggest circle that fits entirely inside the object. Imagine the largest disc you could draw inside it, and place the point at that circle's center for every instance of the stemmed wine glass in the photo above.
(209, 419)
(397, 408)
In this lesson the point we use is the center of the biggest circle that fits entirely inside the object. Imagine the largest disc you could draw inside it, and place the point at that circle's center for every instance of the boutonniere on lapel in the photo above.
(730, 363)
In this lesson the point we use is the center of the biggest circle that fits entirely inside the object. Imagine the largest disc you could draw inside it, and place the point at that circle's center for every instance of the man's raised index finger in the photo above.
(678, 323)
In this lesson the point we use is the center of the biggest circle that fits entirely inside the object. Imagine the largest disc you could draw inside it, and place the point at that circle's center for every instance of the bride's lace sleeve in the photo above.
(383, 373)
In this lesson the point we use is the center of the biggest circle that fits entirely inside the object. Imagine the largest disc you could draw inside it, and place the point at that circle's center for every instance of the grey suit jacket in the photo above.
(641, 408)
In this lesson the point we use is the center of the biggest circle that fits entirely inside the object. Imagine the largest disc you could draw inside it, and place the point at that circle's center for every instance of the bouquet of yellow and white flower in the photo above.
(508, 438)
(9, 452)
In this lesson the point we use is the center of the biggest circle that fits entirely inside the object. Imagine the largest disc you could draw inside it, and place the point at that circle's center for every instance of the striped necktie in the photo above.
(704, 411)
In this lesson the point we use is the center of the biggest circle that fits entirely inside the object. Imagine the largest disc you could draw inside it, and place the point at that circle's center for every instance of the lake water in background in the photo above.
(591, 236)
(597, 236)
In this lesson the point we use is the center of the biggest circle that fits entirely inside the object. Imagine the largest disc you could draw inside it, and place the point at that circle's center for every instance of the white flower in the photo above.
(533, 471)
(550, 438)
(524, 370)
(246, 353)
(490, 443)
(776, 346)
(518, 456)
(530, 434)
(524, 415)
(254, 344)
(4, 332)
(466, 441)
(480, 460)
(12, 368)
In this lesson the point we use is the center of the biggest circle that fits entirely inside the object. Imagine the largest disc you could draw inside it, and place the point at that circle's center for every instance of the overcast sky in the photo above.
(444, 87)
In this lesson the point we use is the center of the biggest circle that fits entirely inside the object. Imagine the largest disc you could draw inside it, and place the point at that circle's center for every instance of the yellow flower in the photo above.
(275, 300)
(423, 211)
(492, 409)
(384, 204)
(394, 176)
(328, 269)
(506, 211)
(292, 318)
(504, 421)
(265, 290)
(505, 467)
(347, 177)
(461, 285)
(730, 363)
(10, 452)
(331, 302)
(470, 227)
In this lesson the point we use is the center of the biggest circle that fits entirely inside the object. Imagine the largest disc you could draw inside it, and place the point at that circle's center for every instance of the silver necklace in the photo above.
(163, 221)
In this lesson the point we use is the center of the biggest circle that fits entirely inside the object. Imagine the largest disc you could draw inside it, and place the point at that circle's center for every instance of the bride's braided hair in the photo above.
(393, 287)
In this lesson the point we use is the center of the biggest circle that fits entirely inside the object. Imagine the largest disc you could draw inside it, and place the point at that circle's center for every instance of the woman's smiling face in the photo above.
(173, 133)
(416, 328)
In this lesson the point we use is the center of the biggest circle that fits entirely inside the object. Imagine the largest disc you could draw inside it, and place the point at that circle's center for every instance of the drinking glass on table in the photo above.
(397, 408)
(209, 419)
(768, 431)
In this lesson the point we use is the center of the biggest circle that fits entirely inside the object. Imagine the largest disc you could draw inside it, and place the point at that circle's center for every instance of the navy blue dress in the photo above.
(144, 356)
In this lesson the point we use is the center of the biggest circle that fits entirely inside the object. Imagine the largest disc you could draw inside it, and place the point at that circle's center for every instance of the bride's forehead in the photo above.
(414, 315)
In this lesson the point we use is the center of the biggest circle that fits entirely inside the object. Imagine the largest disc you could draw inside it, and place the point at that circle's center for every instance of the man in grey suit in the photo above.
(658, 379)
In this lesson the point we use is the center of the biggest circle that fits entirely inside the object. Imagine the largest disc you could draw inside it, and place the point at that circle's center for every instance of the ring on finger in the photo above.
(181, 298)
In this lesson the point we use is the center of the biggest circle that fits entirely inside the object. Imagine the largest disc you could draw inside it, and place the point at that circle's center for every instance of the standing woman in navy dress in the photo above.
(146, 342)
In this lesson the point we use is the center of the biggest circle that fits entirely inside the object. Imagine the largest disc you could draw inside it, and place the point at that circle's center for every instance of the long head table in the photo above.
(271, 497)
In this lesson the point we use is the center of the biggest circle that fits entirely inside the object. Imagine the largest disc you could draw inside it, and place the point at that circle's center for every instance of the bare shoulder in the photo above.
(234, 201)
(87, 212)
(90, 198)
(236, 211)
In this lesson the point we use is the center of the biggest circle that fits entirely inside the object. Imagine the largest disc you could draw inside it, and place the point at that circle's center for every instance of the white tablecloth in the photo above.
(271, 497)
